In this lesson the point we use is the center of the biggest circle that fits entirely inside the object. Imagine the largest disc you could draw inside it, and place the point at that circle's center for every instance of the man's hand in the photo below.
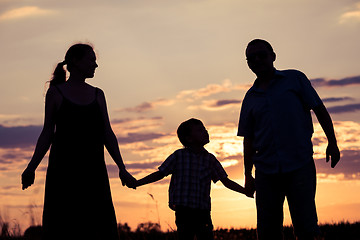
(249, 192)
(332, 151)
(249, 185)
(325, 121)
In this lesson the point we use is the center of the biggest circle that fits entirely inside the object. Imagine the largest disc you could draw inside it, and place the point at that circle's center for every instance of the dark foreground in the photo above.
(152, 231)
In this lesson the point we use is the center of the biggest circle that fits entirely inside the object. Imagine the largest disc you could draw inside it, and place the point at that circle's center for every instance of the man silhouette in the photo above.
(276, 124)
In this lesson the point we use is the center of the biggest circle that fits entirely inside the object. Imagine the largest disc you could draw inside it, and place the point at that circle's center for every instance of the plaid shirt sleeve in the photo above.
(217, 170)
(167, 167)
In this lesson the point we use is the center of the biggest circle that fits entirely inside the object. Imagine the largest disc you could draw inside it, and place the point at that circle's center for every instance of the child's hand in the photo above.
(132, 184)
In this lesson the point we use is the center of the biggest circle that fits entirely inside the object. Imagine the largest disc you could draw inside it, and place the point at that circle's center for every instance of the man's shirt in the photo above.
(279, 122)
(191, 178)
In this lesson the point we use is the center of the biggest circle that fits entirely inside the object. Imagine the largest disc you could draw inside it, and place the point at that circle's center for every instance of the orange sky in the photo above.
(188, 58)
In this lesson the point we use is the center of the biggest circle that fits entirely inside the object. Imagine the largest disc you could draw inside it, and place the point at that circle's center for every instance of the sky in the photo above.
(162, 62)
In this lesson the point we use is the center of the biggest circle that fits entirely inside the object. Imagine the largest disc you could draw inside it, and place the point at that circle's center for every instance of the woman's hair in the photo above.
(185, 128)
(77, 52)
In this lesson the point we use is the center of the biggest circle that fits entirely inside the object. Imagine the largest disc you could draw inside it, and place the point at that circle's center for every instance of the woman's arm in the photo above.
(112, 145)
(52, 102)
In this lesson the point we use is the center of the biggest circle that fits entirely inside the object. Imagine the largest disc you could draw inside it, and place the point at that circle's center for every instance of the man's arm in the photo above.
(248, 164)
(325, 121)
(153, 177)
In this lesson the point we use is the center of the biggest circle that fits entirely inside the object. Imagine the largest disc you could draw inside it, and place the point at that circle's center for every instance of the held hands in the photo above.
(249, 186)
(332, 151)
(27, 178)
(127, 179)
(249, 193)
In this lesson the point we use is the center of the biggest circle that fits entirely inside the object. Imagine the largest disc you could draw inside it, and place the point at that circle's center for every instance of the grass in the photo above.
(152, 231)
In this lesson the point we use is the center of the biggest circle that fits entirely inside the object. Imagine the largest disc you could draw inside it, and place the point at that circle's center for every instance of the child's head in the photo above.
(192, 133)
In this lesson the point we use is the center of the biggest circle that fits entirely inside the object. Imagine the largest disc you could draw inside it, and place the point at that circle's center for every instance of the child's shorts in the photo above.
(192, 222)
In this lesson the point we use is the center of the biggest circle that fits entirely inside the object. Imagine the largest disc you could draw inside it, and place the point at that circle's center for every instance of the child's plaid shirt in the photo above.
(191, 178)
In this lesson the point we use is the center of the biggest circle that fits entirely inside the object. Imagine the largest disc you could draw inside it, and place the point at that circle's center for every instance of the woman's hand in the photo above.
(127, 179)
(27, 178)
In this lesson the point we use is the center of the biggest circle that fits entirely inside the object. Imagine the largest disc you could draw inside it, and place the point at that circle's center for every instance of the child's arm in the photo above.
(230, 184)
(153, 177)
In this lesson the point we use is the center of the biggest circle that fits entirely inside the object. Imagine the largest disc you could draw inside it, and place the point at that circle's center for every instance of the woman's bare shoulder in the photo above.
(53, 94)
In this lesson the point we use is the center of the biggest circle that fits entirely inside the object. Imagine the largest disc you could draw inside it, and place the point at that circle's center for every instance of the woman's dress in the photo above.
(78, 203)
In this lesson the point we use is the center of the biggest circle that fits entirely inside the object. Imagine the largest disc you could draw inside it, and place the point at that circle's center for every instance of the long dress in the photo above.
(78, 203)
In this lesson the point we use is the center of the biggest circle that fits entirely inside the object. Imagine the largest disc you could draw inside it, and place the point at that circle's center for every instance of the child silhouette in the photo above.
(192, 169)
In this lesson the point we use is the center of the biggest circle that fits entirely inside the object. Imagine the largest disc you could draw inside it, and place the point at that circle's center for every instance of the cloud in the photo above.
(224, 145)
(130, 132)
(220, 103)
(348, 167)
(229, 150)
(208, 90)
(139, 124)
(215, 105)
(24, 12)
(20, 136)
(337, 99)
(348, 81)
(211, 89)
(136, 130)
(147, 106)
(13, 159)
(347, 133)
(344, 108)
(322, 82)
(191, 95)
(351, 15)
(144, 165)
(139, 137)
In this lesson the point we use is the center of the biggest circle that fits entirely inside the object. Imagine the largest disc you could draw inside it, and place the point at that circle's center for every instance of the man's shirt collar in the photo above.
(277, 74)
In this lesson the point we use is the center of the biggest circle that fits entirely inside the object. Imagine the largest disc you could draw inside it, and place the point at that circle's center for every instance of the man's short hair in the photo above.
(257, 41)
(184, 130)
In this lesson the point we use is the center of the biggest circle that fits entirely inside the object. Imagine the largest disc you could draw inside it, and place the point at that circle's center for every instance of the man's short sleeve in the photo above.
(168, 165)
(217, 170)
(308, 93)
(245, 127)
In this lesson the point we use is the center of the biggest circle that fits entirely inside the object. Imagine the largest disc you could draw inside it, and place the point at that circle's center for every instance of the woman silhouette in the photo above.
(78, 203)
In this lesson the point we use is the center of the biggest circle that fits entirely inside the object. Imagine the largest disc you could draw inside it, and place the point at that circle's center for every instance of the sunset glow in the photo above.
(162, 62)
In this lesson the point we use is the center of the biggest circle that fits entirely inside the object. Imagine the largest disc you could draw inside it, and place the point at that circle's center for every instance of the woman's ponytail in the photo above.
(76, 51)
(59, 75)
